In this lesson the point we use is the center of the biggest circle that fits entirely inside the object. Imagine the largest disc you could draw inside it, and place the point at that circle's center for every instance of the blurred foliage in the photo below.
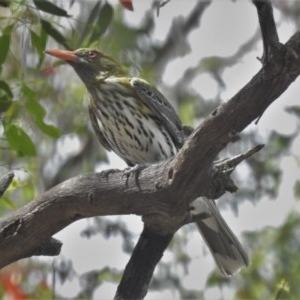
(274, 269)
(41, 111)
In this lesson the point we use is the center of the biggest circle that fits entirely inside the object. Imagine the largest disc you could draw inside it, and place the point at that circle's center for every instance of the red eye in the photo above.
(92, 54)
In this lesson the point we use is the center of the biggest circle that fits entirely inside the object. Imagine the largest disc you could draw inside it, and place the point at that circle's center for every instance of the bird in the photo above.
(132, 118)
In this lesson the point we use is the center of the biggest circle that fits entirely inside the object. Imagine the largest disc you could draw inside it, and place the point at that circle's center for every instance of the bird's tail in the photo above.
(223, 244)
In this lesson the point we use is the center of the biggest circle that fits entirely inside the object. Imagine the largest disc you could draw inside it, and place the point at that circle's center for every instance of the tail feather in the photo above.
(223, 244)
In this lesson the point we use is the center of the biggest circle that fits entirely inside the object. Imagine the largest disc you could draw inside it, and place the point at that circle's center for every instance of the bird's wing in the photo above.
(97, 129)
(161, 108)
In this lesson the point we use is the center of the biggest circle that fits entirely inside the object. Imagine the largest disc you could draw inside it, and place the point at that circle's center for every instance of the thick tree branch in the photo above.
(134, 284)
(232, 117)
(152, 243)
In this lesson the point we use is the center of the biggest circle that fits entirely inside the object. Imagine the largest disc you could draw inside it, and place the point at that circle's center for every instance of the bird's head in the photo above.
(90, 64)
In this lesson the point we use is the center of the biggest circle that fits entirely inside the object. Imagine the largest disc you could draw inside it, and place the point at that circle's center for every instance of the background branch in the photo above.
(268, 28)
(176, 42)
(5, 181)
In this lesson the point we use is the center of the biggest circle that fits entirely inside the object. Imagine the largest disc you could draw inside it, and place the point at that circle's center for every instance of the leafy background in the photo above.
(46, 138)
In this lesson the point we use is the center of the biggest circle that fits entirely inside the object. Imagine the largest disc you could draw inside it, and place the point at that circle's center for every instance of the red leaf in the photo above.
(11, 289)
(127, 4)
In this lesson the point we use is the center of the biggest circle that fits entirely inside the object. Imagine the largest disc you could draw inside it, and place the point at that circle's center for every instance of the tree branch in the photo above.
(139, 270)
(232, 117)
(267, 26)
(5, 181)
(176, 41)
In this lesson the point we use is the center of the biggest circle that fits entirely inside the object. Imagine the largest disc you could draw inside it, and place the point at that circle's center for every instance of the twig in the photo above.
(5, 182)
(268, 28)
(228, 165)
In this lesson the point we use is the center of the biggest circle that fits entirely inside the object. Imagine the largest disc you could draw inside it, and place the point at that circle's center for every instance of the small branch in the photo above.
(215, 65)
(159, 4)
(228, 165)
(5, 181)
(176, 40)
(222, 181)
(268, 29)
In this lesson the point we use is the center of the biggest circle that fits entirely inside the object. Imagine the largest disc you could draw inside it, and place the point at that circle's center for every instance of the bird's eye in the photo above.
(92, 55)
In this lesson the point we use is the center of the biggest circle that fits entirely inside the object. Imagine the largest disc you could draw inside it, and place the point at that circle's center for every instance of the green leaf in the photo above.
(37, 110)
(19, 140)
(28, 92)
(50, 8)
(8, 29)
(5, 96)
(5, 87)
(54, 33)
(7, 203)
(39, 43)
(4, 46)
(90, 21)
(36, 42)
(5, 103)
(39, 113)
(104, 19)
(48, 129)
(12, 111)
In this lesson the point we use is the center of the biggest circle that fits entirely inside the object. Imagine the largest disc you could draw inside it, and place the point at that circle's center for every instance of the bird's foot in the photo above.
(134, 171)
(106, 173)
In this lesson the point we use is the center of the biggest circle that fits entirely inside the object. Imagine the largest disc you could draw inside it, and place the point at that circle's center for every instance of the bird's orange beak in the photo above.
(63, 54)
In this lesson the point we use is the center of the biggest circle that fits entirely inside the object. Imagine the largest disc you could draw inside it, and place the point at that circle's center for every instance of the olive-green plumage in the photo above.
(133, 119)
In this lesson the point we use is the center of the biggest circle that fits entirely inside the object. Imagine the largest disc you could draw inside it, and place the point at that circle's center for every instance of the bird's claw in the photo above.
(106, 173)
(134, 171)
